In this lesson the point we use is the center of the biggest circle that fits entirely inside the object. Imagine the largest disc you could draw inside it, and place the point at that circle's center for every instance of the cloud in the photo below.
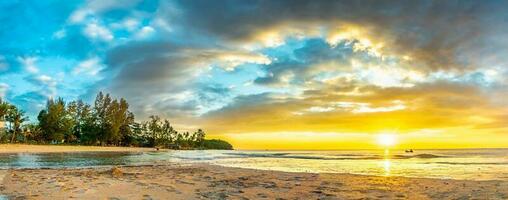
(396, 28)
(152, 72)
(98, 7)
(30, 102)
(96, 31)
(440, 105)
(4, 87)
(145, 32)
(4, 66)
(47, 84)
(90, 67)
(60, 34)
(29, 64)
(299, 66)
(79, 15)
(354, 107)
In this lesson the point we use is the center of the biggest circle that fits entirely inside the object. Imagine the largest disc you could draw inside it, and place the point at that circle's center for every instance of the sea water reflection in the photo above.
(84, 159)
(476, 164)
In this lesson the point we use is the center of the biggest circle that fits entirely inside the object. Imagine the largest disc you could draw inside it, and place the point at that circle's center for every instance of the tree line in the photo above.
(107, 122)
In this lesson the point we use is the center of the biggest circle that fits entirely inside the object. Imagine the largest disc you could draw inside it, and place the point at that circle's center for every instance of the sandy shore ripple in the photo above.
(201, 181)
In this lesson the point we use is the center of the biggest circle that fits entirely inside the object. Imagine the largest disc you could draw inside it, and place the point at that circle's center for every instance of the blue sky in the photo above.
(231, 65)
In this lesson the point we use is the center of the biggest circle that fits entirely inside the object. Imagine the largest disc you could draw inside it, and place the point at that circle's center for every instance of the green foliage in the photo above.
(4, 109)
(217, 144)
(56, 122)
(13, 119)
(32, 133)
(107, 122)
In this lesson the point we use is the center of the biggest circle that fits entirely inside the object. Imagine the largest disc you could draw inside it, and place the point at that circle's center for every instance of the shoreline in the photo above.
(181, 180)
(45, 148)
(205, 181)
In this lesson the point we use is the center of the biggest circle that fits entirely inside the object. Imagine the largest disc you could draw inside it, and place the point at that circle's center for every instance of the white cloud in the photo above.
(386, 75)
(162, 24)
(354, 107)
(131, 24)
(3, 90)
(46, 80)
(29, 64)
(79, 15)
(145, 32)
(230, 60)
(91, 67)
(397, 105)
(96, 31)
(46, 83)
(60, 34)
(320, 109)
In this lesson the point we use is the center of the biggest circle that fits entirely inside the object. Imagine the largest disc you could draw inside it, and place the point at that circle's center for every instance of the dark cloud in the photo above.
(438, 34)
(211, 93)
(155, 77)
(299, 65)
(153, 74)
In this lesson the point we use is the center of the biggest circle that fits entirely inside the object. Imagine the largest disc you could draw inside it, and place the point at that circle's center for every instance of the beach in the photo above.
(202, 181)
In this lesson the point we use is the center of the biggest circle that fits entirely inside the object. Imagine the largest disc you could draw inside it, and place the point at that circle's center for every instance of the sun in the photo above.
(386, 139)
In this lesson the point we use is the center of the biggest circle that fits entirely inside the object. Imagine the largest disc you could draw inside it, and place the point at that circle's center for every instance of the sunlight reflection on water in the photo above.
(477, 164)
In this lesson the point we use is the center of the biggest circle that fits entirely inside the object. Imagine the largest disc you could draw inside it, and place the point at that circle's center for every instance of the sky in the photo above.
(273, 74)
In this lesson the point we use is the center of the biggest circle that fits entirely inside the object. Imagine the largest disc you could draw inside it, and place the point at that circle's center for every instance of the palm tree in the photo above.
(15, 117)
(4, 109)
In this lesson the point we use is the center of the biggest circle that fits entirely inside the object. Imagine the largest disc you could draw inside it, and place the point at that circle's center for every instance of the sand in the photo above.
(201, 181)
(24, 148)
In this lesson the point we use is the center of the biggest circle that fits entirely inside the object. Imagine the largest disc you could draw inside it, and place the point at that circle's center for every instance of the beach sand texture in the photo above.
(200, 181)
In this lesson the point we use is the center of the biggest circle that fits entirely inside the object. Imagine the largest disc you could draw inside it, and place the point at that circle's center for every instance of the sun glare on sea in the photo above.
(386, 140)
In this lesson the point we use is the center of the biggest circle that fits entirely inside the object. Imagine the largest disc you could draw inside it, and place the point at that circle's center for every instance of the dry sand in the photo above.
(24, 148)
(201, 181)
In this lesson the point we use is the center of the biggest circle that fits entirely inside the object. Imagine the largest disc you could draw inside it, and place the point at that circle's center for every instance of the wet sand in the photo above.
(202, 181)
(25, 148)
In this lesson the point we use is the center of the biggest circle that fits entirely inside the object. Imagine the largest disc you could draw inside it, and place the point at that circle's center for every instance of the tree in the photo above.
(118, 118)
(107, 122)
(15, 117)
(112, 118)
(80, 113)
(101, 107)
(32, 132)
(199, 137)
(153, 128)
(4, 109)
(55, 122)
(168, 133)
(217, 144)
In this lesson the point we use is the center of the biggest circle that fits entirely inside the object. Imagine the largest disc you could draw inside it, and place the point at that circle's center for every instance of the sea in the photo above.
(464, 164)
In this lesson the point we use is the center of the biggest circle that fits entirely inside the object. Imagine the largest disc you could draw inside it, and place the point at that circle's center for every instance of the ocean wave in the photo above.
(309, 157)
(475, 163)
(331, 157)
(424, 155)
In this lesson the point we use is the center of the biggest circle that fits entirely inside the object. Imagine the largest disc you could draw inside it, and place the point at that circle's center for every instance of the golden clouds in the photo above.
(328, 69)
(449, 109)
